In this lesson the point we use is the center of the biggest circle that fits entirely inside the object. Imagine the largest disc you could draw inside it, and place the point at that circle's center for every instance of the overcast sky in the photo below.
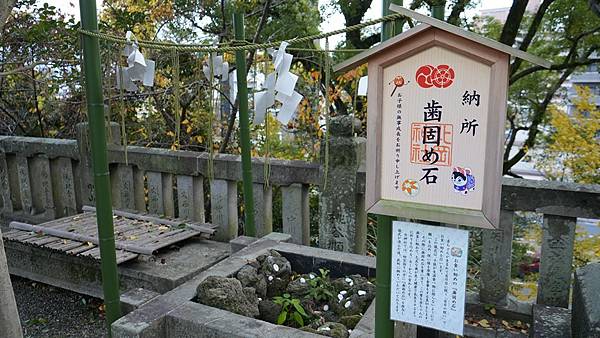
(332, 21)
(72, 7)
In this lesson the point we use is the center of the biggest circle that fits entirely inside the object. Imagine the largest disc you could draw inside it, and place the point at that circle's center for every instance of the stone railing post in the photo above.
(223, 209)
(6, 207)
(338, 216)
(295, 213)
(85, 159)
(496, 257)
(556, 260)
(263, 209)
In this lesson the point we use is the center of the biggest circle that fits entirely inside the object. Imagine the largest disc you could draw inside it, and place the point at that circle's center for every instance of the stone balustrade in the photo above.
(43, 179)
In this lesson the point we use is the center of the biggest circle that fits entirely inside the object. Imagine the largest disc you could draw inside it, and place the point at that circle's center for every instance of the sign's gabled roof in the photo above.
(428, 22)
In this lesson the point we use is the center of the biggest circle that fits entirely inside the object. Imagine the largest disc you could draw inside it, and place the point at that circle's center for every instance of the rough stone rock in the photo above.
(350, 321)
(309, 329)
(277, 271)
(269, 310)
(228, 294)
(276, 266)
(299, 287)
(332, 329)
(354, 295)
(249, 276)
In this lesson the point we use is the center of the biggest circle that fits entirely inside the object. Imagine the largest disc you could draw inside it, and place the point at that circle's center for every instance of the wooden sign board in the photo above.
(436, 117)
(437, 104)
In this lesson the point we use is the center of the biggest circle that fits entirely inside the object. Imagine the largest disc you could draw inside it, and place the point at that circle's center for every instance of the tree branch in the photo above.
(457, 9)
(533, 28)
(513, 22)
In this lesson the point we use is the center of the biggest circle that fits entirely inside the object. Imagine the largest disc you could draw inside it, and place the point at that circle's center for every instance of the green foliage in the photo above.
(320, 288)
(291, 311)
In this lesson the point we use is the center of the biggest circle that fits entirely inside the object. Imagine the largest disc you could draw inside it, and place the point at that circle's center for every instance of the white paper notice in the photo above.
(362, 85)
(429, 269)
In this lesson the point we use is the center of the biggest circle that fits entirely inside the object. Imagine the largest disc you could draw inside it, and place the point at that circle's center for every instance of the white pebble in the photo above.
(325, 307)
(362, 292)
(347, 304)
(311, 276)
(302, 280)
(326, 328)
(276, 267)
(343, 292)
(340, 297)
(270, 278)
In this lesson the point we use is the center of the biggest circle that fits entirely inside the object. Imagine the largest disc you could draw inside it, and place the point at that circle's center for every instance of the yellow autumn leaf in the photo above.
(484, 323)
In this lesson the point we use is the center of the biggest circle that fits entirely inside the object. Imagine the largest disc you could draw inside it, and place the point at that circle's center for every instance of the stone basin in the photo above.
(176, 314)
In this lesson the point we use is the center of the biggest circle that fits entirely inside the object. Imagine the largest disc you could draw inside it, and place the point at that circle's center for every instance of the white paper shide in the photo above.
(279, 86)
(138, 67)
(429, 268)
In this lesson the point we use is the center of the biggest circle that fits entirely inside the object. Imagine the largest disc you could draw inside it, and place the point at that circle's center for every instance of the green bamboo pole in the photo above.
(95, 108)
(384, 326)
(390, 28)
(437, 11)
(240, 62)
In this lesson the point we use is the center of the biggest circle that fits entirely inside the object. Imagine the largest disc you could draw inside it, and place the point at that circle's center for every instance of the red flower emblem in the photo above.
(441, 76)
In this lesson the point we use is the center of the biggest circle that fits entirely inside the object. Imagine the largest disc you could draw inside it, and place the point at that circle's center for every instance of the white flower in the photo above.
(311, 276)
(326, 328)
(276, 267)
(347, 304)
(270, 278)
(362, 292)
(340, 297)
(302, 280)
(325, 307)
(343, 292)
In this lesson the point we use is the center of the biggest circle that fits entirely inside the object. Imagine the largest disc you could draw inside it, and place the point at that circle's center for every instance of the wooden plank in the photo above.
(11, 234)
(204, 227)
(81, 248)
(77, 237)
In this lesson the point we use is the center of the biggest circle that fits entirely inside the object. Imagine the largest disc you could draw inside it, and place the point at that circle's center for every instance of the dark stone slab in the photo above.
(551, 322)
(586, 302)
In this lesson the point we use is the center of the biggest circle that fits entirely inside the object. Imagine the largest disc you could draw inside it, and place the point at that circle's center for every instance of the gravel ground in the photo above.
(47, 311)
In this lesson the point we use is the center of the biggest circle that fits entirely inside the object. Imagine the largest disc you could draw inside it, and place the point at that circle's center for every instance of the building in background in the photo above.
(589, 77)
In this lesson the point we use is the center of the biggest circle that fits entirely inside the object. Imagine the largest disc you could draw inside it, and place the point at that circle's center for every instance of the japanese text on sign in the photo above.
(429, 267)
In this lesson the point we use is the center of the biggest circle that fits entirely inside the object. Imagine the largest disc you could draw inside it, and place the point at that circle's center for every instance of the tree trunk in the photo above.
(10, 325)
(6, 7)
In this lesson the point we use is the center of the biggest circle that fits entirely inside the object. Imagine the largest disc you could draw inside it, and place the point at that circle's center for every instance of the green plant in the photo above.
(291, 309)
(320, 289)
